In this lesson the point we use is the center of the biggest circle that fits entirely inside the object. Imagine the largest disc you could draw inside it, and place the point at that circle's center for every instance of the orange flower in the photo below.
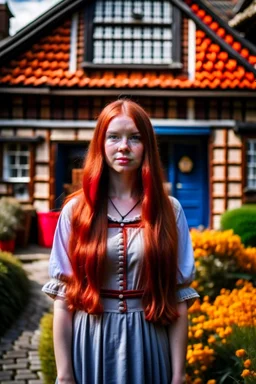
(247, 363)
(245, 373)
(240, 352)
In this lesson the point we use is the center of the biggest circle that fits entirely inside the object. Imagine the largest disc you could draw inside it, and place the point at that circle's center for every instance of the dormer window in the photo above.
(130, 33)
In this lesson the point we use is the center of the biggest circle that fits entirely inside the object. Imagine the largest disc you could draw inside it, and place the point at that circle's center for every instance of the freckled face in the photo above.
(123, 145)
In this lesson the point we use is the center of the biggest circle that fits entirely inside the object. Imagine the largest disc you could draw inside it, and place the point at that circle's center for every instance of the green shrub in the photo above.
(243, 222)
(14, 290)
(46, 351)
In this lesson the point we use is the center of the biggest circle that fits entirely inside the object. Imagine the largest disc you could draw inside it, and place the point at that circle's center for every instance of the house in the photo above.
(180, 60)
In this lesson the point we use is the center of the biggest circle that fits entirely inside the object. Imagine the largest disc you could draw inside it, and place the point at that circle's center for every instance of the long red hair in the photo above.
(88, 239)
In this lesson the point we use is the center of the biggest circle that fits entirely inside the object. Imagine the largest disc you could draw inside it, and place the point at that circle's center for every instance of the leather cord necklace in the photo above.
(124, 216)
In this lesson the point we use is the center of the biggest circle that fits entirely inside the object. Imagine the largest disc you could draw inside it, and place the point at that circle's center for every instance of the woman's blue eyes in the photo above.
(134, 138)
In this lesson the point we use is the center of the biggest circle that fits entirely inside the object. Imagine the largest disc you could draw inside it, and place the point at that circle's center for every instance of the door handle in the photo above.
(179, 186)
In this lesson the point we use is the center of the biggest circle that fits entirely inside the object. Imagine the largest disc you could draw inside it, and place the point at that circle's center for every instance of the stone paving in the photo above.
(19, 360)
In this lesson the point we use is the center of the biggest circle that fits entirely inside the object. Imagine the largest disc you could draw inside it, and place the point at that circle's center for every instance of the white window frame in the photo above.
(251, 163)
(7, 166)
(102, 53)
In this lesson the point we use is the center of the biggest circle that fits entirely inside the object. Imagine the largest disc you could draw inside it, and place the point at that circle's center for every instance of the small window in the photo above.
(133, 33)
(251, 163)
(16, 162)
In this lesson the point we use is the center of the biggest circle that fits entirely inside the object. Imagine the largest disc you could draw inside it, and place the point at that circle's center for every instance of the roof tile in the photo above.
(47, 63)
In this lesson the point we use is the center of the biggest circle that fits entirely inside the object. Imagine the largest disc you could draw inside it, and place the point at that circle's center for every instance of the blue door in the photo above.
(189, 180)
(186, 168)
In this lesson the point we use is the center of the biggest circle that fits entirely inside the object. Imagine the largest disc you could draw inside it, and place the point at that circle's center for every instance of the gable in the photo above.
(221, 60)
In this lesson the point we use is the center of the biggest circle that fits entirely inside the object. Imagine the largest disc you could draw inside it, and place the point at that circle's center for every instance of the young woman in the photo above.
(121, 263)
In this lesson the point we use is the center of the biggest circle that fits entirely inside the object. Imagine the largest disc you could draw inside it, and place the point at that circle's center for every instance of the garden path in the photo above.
(19, 360)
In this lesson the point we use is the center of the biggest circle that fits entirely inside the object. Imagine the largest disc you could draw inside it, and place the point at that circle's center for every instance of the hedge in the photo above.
(14, 290)
(243, 222)
(46, 351)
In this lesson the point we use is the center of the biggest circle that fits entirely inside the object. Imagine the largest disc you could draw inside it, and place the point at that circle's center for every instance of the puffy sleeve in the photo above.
(59, 264)
(186, 266)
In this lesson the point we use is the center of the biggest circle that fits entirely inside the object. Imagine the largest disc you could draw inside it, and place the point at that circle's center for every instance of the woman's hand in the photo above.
(178, 380)
(66, 381)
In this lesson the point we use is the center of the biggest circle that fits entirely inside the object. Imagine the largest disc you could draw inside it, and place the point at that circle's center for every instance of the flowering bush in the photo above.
(213, 337)
(221, 259)
(222, 325)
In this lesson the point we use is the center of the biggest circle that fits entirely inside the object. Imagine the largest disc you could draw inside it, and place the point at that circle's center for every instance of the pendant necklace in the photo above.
(124, 216)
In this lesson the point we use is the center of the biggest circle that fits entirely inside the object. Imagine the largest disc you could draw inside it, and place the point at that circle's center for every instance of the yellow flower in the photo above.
(198, 333)
(247, 363)
(197, 381)
(245, 373)
(240, 352)
(211, 339)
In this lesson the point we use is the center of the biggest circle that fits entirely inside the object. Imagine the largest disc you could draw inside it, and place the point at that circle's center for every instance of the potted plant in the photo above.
(10, 218)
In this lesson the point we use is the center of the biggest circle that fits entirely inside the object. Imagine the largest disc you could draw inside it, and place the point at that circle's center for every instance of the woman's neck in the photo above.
(123, 186)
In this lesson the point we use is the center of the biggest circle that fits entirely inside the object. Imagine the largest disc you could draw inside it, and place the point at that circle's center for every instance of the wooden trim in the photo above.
(238, 146)
(210, 159)
(21, 139)
(52, 183)
(103, 66)
(32, 172)
(88, 31)
(177, 32)
(41, 179)
(244, 167)
(126, 92)
(41, 198)
(226, 169)
(229, 163)
(219, 213)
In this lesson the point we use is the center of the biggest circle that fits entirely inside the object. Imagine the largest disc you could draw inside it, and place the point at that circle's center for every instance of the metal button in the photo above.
(122, 224)
(121, 263)
(120, 257)
(121, 296)
(120, 269)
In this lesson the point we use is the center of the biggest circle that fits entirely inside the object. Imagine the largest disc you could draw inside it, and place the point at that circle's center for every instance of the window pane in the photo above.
(125, 11)
(99, 11)
(12, 147)
(24, 173)
(23, 160)
(251, 163)
(12, 160)
(13, 172)
(108, 51)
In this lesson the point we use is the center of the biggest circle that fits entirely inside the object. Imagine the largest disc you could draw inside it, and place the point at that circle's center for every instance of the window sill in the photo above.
(141, 67)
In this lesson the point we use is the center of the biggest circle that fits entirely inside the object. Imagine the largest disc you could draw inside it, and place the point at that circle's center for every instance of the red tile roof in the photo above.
(47, 63)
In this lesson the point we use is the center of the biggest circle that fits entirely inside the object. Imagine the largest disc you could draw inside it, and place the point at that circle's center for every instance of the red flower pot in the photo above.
(7, 245)
(47, 222)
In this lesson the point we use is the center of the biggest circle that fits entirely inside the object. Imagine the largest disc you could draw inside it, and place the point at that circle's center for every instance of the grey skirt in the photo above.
(120, 348)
